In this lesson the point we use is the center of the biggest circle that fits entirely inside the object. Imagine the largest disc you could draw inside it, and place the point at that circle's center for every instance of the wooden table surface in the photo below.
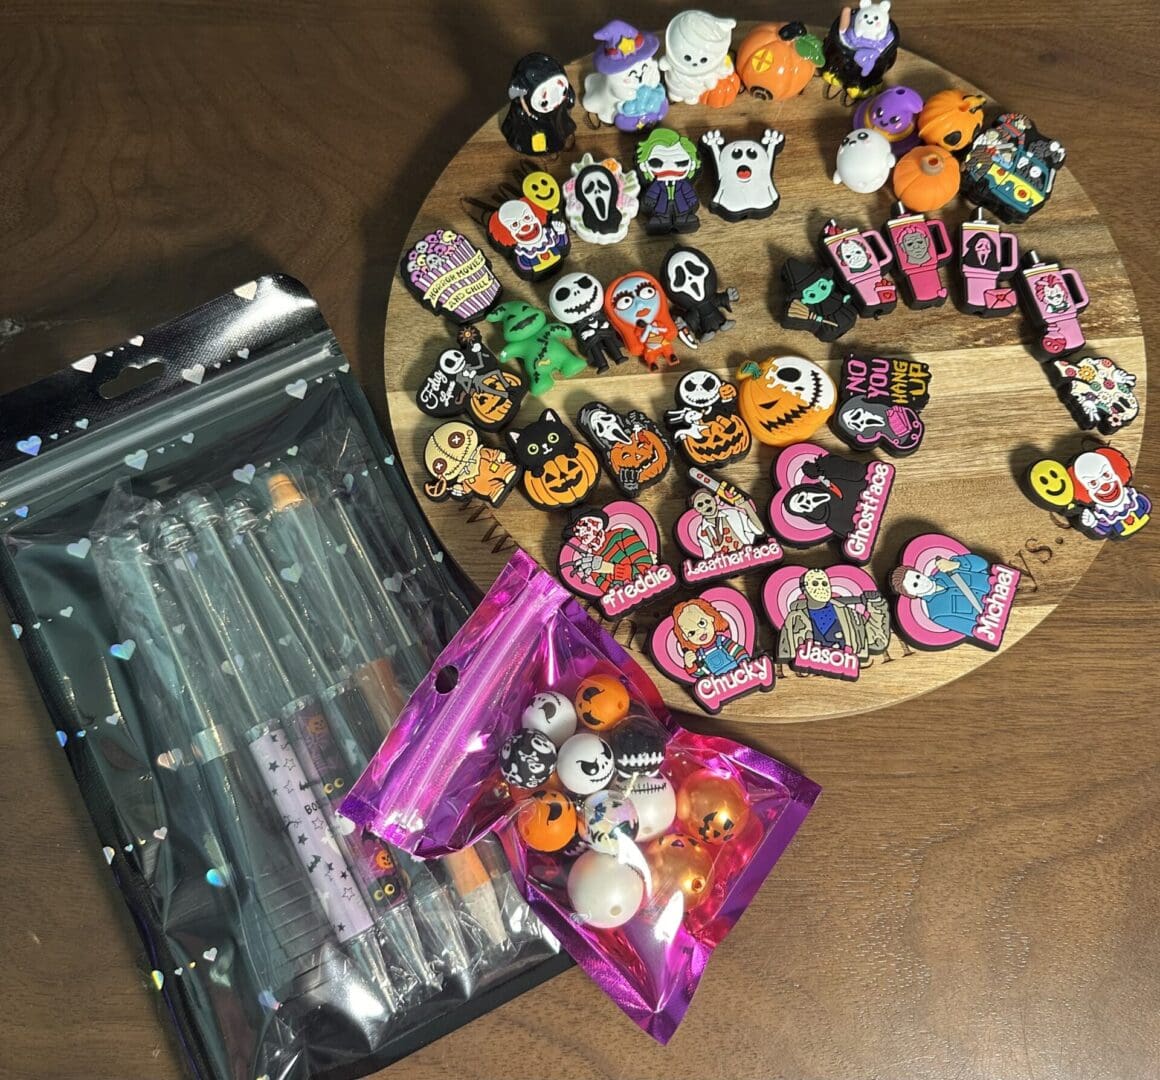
(976, 894)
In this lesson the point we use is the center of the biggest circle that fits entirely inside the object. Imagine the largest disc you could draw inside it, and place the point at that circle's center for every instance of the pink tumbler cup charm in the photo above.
(987, 255)
(1054, 297)
(860, 259)
(921, 246)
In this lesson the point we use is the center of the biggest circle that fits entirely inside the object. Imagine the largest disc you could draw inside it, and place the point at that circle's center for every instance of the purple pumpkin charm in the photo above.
(894, 114)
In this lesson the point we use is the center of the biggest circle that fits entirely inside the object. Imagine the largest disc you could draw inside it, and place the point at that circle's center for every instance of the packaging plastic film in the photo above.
(638, 843)
(226, 594)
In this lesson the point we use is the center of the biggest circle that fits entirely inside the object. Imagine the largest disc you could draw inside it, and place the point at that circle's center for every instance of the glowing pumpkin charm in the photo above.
(926, 178)
(951, 119)
(785, 399)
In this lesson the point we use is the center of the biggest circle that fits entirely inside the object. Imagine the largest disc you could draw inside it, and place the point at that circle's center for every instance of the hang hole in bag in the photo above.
(131, 378)
(447, 679)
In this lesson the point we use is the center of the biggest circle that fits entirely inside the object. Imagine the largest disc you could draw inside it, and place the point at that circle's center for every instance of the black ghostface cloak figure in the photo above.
(690, 282)
(539, 119)
(833, 500)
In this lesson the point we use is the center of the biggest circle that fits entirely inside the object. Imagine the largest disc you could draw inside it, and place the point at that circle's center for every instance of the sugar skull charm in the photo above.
(607, 822)
(634, 452)
(815, 302)
(864, 161)
(600, 200)
(819, 496)
(612, 553)
(577, 301)
(946, 594)
(546, 820)
(713, 808)
(744, 170)
(537, 343)
(585, 763)
(463, 468)
(539, 118)
(668, 163)
(527, 758)
(1098, 392)
(679, 863)
(697, 67)
(551, 714)
(861, 48)
(601, 702)
(690, 282)
(604, 892)
(785, 399)
(638, 310)
(558, 471)
(1054, 297)
(625, 89)
(1095, 491)
(880, 401)
(655, 802)
(468, 379)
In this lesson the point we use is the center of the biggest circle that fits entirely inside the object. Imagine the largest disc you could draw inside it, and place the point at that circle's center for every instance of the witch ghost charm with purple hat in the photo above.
(625, 89)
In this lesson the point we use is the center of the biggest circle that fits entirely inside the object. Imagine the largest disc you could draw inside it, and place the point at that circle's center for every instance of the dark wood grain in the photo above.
(975, 894)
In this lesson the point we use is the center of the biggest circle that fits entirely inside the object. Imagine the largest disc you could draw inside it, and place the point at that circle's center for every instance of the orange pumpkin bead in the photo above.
(951, 119)
(547, 820)
(926, 178)
(601, 702)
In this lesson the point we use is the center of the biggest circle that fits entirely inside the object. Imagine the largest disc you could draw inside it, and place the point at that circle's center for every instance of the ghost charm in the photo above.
(690, 282)
(577, 300)
(600, 200)
(697, 66)
(745, 186)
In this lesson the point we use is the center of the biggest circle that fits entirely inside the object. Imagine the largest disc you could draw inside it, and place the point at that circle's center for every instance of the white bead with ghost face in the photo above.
(552, 714)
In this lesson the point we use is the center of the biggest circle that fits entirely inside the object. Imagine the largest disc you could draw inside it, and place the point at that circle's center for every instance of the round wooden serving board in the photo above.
(992, 410)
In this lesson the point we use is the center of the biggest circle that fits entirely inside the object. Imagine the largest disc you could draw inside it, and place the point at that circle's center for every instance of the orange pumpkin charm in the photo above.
(926, 178)
(634, 451)
(560, 472)
(601, 702)
(785, 399)
(778, 60)
(546, 821)
(951, 119)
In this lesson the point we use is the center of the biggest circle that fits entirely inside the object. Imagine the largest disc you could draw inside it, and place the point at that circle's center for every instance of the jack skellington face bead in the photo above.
(577, 301)
(638, 748)
(690, 282)
(527, 758)
(585, 763)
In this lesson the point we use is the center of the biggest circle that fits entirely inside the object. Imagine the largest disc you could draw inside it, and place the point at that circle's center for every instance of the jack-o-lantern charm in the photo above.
(546, 820)
(785, 399)
(601, 702)
(679, 863)
(705, 424)
(712, 807)
(635, 453)
(559, 472)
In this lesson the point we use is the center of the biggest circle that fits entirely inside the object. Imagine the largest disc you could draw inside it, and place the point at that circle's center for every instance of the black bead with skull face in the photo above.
(527, 759)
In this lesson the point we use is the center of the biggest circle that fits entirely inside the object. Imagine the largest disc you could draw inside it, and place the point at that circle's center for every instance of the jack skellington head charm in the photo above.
(690, 281)
(705, 422)
(539, 118)
(600, 200)
(635, 454)
(577, 301)
(744, 167)
(468, 379)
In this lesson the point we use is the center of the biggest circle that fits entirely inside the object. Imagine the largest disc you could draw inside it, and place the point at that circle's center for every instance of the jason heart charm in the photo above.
(820, 496)
(946, 594)
(612, 553)
(708, 644)
(829, 620)
(722, 532)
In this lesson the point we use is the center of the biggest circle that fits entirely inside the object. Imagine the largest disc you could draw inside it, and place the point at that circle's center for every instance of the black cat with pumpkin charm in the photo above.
(559, 471)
